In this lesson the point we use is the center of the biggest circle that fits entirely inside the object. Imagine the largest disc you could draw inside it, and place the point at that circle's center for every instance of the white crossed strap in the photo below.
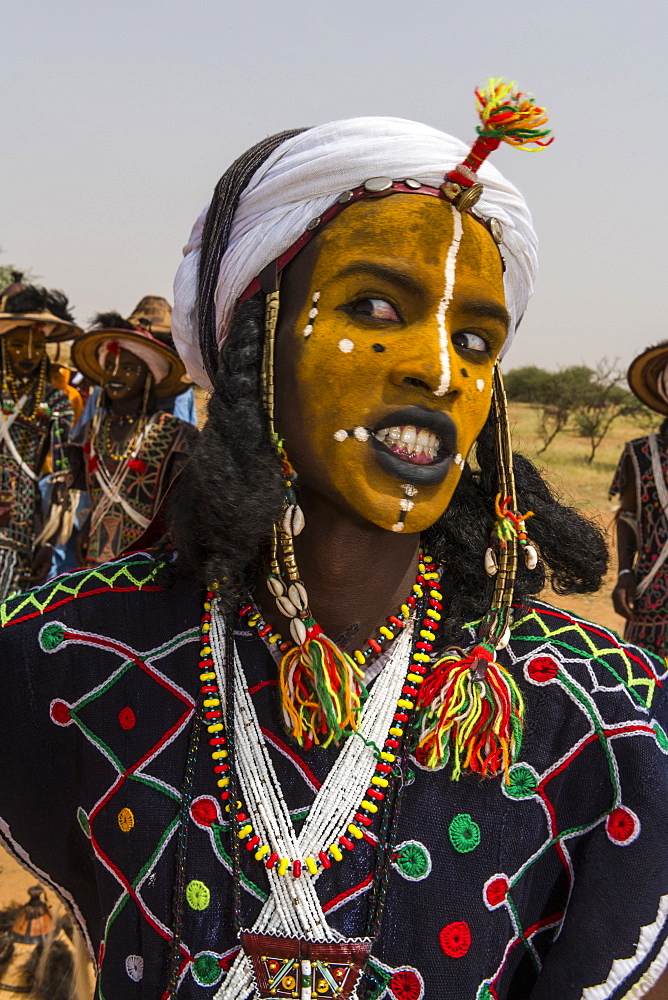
(293, 907)
(6, 421)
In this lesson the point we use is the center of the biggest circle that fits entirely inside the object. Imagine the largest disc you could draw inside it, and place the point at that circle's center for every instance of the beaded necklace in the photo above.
(130, 440)
(385, 771)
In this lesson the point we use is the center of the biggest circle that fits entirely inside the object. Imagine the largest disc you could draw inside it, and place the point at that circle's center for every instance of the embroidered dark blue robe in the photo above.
(554, 886)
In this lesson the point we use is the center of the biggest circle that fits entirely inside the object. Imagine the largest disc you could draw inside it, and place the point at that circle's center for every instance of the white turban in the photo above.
(154, 361)
(303, 177)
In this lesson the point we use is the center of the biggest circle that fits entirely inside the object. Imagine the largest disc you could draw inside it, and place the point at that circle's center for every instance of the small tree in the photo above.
(528, 385)
(562, 393)
(603, 402)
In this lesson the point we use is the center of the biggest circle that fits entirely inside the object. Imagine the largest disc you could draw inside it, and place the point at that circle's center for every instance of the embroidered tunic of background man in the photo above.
(120, 516)
(554, 885)
(32, 436)
(649, 460)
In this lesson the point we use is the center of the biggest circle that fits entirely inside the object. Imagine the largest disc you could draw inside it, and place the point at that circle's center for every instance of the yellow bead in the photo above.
(431, 576)
(206, 627)
(206, 651)
(382, 782)
(222, 782)
(421, 657)
(384, 630)
(433, 613)
(216, 728)
(387, 756)
(274, 638)
(283, 866)
(261, 851)
(404, 703)
(405, 610)
(416, 678)
(359, 657)
(395, 731)
(207, 677)
(311, 865)
(207, 606)
(417, 589)
(335, 852)
(435, 594)
(244, 831)
(369, 806)
(421, 567)
(254, 619)
(218, 754)
(355, 830)
(211, 702)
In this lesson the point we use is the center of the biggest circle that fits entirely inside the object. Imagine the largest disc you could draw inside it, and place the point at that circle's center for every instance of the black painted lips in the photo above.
(431, 420)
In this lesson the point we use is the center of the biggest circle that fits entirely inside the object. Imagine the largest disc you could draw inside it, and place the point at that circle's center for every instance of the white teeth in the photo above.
(411, 440)
(408, 437)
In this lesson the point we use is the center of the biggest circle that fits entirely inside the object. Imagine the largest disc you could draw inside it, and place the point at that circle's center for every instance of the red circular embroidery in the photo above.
(543, 669)
(622, 825)
(204, 811)
(456, 939)
(405, 985)
(496, 891)
(60, 712)
(127, 718)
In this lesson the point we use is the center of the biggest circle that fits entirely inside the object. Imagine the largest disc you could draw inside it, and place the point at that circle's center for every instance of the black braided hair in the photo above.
(216, 234)
(222, 513)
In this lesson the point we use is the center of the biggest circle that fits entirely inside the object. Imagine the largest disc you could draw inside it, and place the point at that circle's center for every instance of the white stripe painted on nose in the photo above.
(450, 269)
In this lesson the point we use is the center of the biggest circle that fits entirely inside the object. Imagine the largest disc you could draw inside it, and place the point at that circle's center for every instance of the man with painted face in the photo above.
(130, 451)
(331, 744)
(35, 424)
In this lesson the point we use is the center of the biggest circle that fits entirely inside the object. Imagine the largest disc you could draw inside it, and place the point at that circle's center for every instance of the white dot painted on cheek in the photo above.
(398, 526)
(361, 434)
(480, 384)
(340, 435)
(346, 345)
(308, 329)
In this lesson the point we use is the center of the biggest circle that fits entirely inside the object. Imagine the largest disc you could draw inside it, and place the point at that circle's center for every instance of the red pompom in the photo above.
(137, 465)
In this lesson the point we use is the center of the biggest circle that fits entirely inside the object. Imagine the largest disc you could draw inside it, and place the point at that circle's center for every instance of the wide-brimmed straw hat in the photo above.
(153, 313)
(85, 357)
(55, 328)
(646, 377)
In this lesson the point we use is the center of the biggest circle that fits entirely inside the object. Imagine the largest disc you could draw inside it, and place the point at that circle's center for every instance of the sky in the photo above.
(119, 118)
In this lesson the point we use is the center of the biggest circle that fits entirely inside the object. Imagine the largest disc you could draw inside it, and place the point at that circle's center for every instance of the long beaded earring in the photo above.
(321, 686)
(471, 705)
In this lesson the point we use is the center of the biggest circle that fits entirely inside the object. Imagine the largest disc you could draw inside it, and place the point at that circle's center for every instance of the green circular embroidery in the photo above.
(51, 636)
(412, 860)
(523, 782)
(206, 968)
(83, 821)
(661, 737)
(198, 895)
(464, 833)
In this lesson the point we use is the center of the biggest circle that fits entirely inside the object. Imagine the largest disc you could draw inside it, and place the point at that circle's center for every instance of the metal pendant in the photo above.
(286, 968)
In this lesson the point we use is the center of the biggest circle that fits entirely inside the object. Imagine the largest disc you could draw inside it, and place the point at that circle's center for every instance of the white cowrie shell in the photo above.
(298, 631)
(505, 639)
(285, 605)
(275, 586)
(298, 596)
(530, 557)
(293, 520)
(491, 565)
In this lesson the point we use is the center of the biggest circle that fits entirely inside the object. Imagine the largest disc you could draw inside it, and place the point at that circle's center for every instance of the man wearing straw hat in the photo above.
(35, 423)
(641, 481)
(131, 450)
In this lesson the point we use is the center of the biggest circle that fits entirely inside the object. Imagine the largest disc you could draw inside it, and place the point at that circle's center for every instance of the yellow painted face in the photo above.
(384, 368)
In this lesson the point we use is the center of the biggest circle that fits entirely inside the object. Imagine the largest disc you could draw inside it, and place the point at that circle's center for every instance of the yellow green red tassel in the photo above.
(322, 690)
(472, 708)
(507, 115)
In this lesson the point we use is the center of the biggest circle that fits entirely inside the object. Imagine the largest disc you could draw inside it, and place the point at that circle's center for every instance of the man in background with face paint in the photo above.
(131, 451)
(331, 744)
(35, 423)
